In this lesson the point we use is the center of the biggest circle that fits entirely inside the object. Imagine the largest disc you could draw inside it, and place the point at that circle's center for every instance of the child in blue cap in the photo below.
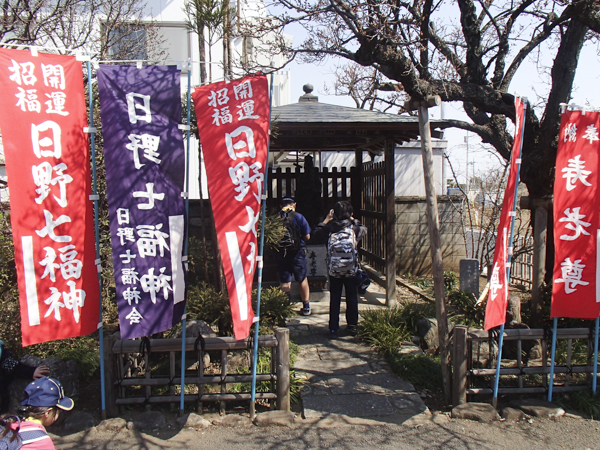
(44, 400)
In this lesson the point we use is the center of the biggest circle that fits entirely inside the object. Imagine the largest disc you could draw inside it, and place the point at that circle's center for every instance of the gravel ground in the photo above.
(574, 434)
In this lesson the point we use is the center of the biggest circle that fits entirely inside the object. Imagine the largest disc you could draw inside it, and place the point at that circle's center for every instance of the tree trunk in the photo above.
(202, 53)
(433, 223)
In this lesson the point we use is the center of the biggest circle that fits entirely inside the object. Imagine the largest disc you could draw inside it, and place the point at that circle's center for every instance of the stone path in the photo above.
(344, 376)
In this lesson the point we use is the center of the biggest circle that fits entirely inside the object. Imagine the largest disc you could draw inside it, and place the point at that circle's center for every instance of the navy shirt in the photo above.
(302, 226)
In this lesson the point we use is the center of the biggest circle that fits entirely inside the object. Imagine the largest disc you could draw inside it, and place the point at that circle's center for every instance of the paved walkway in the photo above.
(345, 378)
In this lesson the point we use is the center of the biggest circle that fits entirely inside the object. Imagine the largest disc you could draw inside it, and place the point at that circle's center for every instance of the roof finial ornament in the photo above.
(308, 96)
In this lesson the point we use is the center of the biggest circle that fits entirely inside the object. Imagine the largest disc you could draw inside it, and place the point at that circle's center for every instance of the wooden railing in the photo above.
(521, 267)
(336, 185)
(468, 375)
(131, 372)
(373, 215)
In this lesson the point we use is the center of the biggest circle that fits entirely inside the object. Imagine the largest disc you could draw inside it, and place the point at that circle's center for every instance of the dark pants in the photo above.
(335, 298)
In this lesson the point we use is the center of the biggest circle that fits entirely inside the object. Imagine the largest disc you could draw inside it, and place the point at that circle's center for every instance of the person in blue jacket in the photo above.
(293, 262)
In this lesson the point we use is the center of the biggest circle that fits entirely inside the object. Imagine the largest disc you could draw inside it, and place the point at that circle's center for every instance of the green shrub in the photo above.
(274, 308)
(450, 281)
(584, 401)
(424, 372)
(383, 329)
(205, 303)
(465, 312)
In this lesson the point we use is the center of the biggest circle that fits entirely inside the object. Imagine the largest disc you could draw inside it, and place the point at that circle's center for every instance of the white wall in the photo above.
(408, 164)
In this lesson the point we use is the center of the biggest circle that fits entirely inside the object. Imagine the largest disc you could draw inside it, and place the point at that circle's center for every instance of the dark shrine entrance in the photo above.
(310, 127)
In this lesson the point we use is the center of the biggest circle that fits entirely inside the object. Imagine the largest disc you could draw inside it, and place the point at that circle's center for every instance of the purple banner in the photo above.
(145, 169)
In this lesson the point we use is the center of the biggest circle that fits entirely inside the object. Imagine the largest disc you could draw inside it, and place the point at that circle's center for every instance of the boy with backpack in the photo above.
(343, 232)
(291, 252)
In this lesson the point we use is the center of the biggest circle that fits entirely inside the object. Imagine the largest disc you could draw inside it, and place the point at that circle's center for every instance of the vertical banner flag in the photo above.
(42, 120)
(145, 170)
(575, 291)
(495, 311)
(233, 120)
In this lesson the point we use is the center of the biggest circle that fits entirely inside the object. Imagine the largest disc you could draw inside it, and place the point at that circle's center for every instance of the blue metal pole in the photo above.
(552, 359)
(261, 252)
(595, 379)
(187, 222)
(509, 256)
(97, 234)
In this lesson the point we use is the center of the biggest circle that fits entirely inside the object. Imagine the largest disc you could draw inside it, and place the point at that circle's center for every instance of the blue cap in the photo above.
(288, 199)
(46, 391)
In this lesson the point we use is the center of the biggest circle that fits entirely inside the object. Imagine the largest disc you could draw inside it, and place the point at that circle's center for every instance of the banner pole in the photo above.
(595, 379)
(260, 262)
(187, 224)
(510, 250)
(92, 132)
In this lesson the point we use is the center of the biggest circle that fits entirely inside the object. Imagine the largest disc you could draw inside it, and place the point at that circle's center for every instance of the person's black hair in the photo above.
(23, 413)
(343, 210)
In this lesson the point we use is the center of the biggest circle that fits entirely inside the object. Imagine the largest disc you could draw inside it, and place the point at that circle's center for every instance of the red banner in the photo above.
(48, 168)
(233, 119)
(495, 312)
(576, 219)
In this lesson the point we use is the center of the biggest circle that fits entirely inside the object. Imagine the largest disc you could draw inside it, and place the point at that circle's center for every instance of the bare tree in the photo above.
(362, 85)
(466, 51)
(106, 27)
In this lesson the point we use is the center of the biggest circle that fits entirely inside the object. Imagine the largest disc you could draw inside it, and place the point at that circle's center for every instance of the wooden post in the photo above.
(540, 228)
(390, 224)
(109, 378)
(433, 223)
(222, 405)
(356, 184)
(283, 369)
(459, 364)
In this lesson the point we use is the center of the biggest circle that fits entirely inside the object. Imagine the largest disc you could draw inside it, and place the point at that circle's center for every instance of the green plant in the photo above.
(424, 372)
(205, 303)
(450, 281)
(273, 229)
(465, 310)
(383, 329)
(584, 401)
(274, 308)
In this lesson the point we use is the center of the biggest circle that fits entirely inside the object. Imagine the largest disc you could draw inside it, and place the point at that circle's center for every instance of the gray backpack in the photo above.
(342, 257)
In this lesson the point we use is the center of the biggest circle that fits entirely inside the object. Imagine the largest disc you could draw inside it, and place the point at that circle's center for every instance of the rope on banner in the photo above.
(187, 214)
(256, 320)
(95, 198)
(509, 256)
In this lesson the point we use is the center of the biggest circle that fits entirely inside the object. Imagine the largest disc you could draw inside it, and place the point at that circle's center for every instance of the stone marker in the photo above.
(512, 414)
(193, 420)
(469, 276)
(538, 408)
(482, 412)
(232, 420)
(274, 418)
(150, 420)
(114, 425)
